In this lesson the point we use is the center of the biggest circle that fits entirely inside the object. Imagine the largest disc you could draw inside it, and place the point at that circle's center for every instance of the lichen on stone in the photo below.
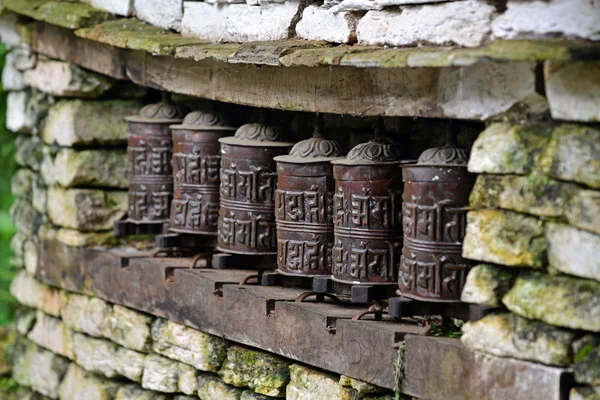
(262, 372)
(486, 285)
(556, 300)
(505, 237)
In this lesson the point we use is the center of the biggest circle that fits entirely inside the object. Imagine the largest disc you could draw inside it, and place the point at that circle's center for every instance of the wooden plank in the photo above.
(62, 44)
(322, 335)
(444, 369)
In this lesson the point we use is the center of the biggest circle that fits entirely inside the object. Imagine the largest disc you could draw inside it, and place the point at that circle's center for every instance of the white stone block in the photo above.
(17, 117)
(164, 13)
(86, 314)
(462, 23)
(9, 35)
(30, 256)
(547, 19)
(28, 291)
(239, 22)
(129, 328)
(161, 374)
(64, 79)
(119, 7)
(366, 5)
(52, 334)
(79, 385)
(573, 90)
(573, 251)
(103, 357)
(319, 23)
(87, 123)
(86, 209)
(18, 60)
(178, 342)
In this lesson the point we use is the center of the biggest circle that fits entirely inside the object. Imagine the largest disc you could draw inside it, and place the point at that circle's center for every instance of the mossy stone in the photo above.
(201, 350)
(37, 368)
(587, 370)
(585, 393)
(573, 155)
(583, 210)
(29, 152)
(306, 383)
(137, 35)
(505, 237)
(26, 219)
(573, 251)
(363, 388)
(77, 123)
(210, 387)
(508, 335)
(556, 300)
(66, 14)
(534, 194)
(262, 372)
(22, 183)
(504, 148)
(89, 168)
(79, 384)
(135, 392)
(486, 285)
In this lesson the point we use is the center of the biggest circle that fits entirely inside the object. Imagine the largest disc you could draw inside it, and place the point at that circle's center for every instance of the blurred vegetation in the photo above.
(8, 166)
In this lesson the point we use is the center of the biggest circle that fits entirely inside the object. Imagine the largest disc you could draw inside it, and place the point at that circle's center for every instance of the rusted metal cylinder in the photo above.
(436, 192)
(367, 208)
(149, 148)
(196, 170)
(246, 222)
(303, 206)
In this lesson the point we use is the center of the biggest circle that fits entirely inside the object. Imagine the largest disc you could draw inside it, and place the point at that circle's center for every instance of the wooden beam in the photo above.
(479, 91)
(321, 335)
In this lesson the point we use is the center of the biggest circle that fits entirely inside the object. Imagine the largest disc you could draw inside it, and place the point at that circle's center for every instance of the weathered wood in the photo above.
(479, 91)
(319, 334)
(62, 44)
(444, 369)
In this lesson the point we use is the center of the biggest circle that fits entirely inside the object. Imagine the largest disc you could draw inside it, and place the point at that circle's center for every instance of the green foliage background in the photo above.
(8, 166)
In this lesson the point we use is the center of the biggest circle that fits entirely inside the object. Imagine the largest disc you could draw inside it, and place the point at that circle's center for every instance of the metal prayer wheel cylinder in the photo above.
(246, 222)
(196, 170)
(436, 192)
(367, 208)
(303, 207)
(149, 148)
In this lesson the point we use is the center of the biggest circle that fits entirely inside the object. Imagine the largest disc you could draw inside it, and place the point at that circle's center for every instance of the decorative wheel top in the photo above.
(317, 145)
(259, 132)
(448, 154)
(165, 109)
(205, 118)
(377, 149)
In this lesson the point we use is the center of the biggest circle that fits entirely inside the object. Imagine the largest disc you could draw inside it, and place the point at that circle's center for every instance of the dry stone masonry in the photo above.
(536, 186)
(527, 71)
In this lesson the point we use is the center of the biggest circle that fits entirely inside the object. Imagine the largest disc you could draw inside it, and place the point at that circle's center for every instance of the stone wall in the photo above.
(535, 229)
(466, 23)
(73, 346)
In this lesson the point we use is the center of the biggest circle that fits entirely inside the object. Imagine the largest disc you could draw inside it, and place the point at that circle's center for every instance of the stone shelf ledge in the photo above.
(321, 335)
(502, 78)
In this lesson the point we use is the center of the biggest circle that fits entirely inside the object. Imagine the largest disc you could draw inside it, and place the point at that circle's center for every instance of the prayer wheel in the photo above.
(246, 222)
(436, 192)
(303, 206)
(149, 149)
(196, 170)
(367, 207)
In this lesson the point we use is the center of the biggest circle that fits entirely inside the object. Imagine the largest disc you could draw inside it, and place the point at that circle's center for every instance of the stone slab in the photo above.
(574, 19)
(573, 251)
(487, 89)
(572, 89)
(462, 23)
(164, 13)
(240, 22)
(319, 23)
(64, 79)
(452, 371)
